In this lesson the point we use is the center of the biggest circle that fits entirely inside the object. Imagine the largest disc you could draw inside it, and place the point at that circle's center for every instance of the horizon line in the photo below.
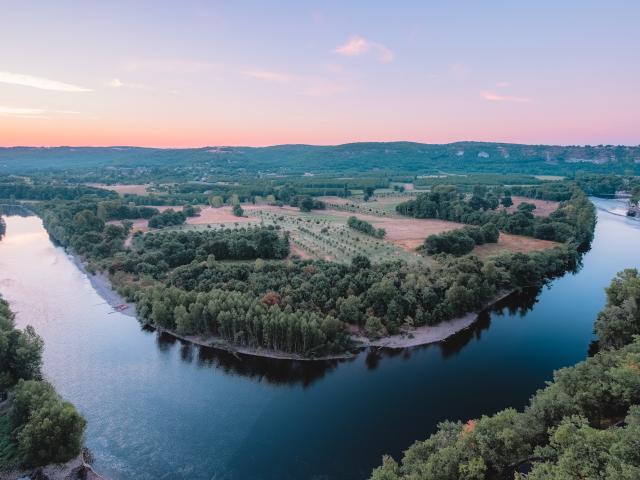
(164, 147)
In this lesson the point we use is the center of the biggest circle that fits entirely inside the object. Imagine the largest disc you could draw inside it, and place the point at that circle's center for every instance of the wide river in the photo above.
(160, 409)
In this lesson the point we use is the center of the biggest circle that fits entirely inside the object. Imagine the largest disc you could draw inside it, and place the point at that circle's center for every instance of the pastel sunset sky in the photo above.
(195, 73)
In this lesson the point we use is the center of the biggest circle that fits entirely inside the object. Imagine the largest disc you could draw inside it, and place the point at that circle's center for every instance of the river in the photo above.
(160, 409)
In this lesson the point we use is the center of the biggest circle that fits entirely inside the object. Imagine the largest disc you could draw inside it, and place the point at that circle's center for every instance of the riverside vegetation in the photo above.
(584, 425)
(234, 285)
(37, 427)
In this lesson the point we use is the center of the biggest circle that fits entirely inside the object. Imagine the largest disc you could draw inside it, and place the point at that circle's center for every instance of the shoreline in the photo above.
(416, 337)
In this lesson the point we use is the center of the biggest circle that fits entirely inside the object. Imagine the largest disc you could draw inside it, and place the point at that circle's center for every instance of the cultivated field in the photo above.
(543, 207)
(324, 234)
(122, 189)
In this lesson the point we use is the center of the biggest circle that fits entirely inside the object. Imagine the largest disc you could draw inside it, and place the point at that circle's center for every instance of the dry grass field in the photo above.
(543, 207)
(122, 189)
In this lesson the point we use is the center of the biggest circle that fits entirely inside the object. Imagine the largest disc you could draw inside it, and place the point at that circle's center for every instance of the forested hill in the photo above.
(406, 157)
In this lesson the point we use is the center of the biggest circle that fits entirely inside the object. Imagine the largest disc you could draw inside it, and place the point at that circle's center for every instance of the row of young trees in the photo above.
(365, 227)
(573, 221)
(37, 427)
(583, 425)
(461, 240)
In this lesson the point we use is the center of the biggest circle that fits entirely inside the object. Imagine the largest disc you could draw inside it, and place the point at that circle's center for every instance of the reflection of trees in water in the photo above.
(270, 370)
(15, 210)
(518, 303)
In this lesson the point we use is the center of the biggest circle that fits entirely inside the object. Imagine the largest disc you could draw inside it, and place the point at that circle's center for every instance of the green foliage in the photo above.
(237, 210)
(462, 240)
(39, 428)
(20, 351)
(46, 428)
(167, 218)
(619, 321)
(573, 221)
(365, 227)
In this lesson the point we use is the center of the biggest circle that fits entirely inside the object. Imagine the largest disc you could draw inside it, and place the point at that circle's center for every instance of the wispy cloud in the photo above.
(302, 84)
(116, 83)
(269, 76)
(503, 84)
(494, 97)
(358, 46)
(39, 82)
(20, 112)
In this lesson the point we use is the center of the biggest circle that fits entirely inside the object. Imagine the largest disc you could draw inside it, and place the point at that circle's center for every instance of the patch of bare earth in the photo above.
(513, 244)
(210, 215)
(296, 250)
(544, 208)
(122, 189)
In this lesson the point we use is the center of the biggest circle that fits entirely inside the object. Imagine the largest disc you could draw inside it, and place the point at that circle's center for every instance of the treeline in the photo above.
(242, 320)
(365, 227)
(157, 253)
(22, 190)
(573, 221)
(461, 240)
(584, 425)
(37, 427)
(469, 182)
(167, 218)
(75, 224)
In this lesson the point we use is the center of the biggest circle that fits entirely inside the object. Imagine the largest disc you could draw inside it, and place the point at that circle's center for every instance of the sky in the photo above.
(196, 73)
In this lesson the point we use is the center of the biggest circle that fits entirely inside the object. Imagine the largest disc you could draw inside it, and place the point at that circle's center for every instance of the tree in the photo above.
(506, 201)
(48, 430)
(237, 210)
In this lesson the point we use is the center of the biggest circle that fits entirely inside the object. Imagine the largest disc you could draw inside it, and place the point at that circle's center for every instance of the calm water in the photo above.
(159, 409)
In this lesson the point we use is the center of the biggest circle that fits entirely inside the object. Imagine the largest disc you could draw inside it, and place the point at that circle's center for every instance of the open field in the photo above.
(543, 207)
(221, 215)
(513, 244)
(324, 234)
(380, 204)
(122, 189)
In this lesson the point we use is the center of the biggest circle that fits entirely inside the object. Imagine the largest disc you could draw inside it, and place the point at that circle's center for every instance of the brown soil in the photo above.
(543, 207)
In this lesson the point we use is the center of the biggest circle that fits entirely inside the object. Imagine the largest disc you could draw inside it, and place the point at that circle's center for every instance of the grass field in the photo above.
(543, 207)
(122, 189)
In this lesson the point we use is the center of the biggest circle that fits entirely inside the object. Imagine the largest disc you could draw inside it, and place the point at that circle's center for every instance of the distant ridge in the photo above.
(401, 156)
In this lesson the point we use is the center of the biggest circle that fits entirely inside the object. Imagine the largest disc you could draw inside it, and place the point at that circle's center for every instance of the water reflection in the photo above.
(271, 370)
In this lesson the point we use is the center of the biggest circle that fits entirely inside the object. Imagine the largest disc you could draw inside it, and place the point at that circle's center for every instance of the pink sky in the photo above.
(243, 73)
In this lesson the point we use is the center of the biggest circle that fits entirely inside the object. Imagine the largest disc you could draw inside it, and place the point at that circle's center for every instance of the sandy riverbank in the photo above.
(428, 333)
(101, 284)
(410, 338)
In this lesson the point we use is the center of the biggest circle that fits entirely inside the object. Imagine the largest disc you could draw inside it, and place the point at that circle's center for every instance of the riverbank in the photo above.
(428, 333)
(77, 468)
(409, 338)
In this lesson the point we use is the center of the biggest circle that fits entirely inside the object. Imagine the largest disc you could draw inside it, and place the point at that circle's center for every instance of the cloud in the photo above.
(494, 97)
(503, 84)
(313, 86)
(269, 76)
(39, 82)
(116, 83)
(19, 112)
(358, 46)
